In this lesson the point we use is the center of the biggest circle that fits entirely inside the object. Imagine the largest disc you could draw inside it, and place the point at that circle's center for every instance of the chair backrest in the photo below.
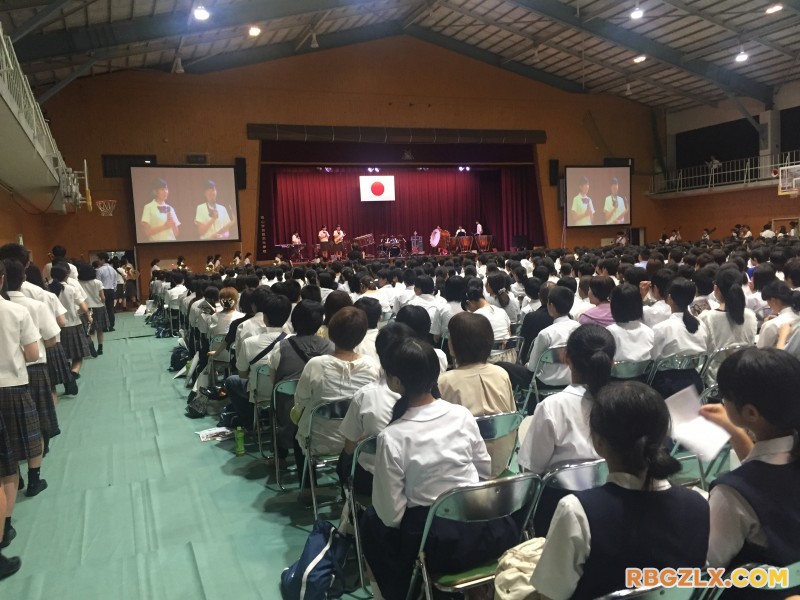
(366, 446)
(287, 386)
(552, 356)
(493, 427)
(261, 378)
(577, 476)
(679, 362)
(631, 369)
(716, 358)
(509, 343)
(486, 500)
(710, 394)
(331, 411)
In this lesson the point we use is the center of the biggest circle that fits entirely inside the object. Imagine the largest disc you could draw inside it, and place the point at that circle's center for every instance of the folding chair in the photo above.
(222, 356)
(706, 471)
(287, 387)
(173, 310)
(332, 411)
(365, 446)
(501, 348)
(474, 503)
(678, 362)
(710, 394)
(631, 369)
(709, 372)
(551, 356)
(494, 427)
(261, 397)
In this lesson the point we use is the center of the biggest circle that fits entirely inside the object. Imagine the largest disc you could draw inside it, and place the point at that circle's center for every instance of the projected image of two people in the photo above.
(595, 197)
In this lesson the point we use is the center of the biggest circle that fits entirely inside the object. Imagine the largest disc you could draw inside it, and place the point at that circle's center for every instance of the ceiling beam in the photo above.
(44, 16)
(61, 84)
(741, 34)
(143, 29)
(311, 30)
(9, 5)
(723, 78)
(758, 32)
(535, 43)
(495, 60)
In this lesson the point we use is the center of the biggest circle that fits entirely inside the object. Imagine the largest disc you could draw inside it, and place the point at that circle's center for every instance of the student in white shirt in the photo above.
(559, 303)
(372, 308)
(501, 324)
(96, 301)
(73, 335)
(731, 322)
(406, 293)
(418, 320)
(659, 286)
(454, 289)
(582, 302)
(784, 303)
(633, 338)
(531, 302)
(497, 288)
(437, 307)
(681, 333)
(754, 510)
(430, 447)
(636, 518)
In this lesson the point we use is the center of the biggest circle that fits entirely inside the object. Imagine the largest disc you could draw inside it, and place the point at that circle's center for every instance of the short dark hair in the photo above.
(568, 282)
(336, 301)
(424, 283)
(471, 337)
(15, 274)
(388, 336)
(348, 327)
(277, 309)
(626, 303)
(601, 286)
(704, 280)
(562, 299)
(417, 318)
(59, 251)
(454, 288)
(307, 317)
(372, 308)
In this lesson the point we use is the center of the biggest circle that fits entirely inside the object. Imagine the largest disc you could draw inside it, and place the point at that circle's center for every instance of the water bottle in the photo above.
(239, 437)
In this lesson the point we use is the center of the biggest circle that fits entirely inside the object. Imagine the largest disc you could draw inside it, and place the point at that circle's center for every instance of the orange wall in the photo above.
(397, 81)
(18, 218)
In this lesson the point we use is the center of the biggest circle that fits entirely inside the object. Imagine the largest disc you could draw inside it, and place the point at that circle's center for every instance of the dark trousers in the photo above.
(109, 294)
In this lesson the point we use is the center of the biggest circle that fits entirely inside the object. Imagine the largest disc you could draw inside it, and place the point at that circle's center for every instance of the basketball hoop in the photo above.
(106, 207)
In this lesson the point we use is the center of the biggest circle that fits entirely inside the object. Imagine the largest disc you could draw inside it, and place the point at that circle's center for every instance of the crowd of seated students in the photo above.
(48, 324)
(634, 305)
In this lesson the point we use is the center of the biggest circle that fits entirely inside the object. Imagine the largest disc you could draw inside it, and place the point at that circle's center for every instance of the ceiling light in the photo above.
(771, 10)
(628, 89)
(254, 31)
(742, 56)
(640, 59)
(637, 12)
(314, 42)
(177, 66)
(201, 14)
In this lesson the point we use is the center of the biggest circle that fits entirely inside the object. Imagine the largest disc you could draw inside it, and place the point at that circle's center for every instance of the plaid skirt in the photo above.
(100, 320)
(8, 466)
(40, 388)
(57, 365)
(75, 342)
(18, 413)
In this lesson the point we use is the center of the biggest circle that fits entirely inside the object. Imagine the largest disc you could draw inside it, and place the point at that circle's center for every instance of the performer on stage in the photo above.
(614, 209)
(478, 228)
(461, 231)
(622, 239)
(324, 241)
(296, 241)
(338, 242)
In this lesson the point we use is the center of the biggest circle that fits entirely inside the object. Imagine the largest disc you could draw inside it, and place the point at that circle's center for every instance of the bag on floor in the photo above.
(178, 359)
(319, 574)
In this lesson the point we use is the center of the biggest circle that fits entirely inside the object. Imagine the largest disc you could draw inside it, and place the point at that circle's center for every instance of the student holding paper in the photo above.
(755, 516)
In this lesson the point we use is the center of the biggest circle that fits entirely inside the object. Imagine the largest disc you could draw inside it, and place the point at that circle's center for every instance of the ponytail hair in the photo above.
(497, 283)
(59, 274)
(591, 350)
(416, 365)
(682, 292)
(729, 283)
(767, 379)
(632, 418)
(777, 290)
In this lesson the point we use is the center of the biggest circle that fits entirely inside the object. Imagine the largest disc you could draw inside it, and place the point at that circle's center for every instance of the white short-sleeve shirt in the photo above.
(43, 319)
(369, 413)
(151, 215)
(634, 340)
(203, 216)
(671, 337)
(16, 330)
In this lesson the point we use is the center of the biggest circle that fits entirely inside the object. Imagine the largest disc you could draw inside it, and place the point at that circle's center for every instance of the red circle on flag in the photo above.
(377, 188)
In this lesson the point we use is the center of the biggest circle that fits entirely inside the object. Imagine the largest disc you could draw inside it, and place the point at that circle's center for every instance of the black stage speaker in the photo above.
(553, 172)
(240, 172)
(520, 242)
(562, 193)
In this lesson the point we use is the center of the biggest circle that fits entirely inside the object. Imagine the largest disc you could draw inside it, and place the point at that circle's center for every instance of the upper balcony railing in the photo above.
(16, 91)
(716, 173)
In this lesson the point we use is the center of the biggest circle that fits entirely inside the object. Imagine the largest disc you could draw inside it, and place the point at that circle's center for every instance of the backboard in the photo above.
(789, 181)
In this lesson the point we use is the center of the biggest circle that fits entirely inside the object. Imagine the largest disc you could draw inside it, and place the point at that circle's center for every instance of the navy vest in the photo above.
(631, 528)
(773, 491)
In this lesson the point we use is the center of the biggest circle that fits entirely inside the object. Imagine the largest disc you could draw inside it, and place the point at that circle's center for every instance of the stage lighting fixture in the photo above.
(463, 169)
(314, 42)
(742, 56)
(772, 9)
(201, 14)
(637, 12)
(177, 66)
(373, 169)
(254, 31)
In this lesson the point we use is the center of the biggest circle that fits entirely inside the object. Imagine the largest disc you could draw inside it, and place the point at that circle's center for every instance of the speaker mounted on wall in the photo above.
(553, 172)
(240, 172)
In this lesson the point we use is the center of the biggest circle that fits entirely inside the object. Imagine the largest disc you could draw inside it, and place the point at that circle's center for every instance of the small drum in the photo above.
(394, 251)
(393, 242)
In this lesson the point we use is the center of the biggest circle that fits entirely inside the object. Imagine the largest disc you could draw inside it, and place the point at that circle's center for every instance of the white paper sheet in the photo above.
(690, 429)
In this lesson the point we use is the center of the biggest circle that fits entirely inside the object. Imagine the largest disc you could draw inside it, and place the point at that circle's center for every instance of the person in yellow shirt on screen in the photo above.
(614, 209)
(582, 208)
(159, 221)
(212, 219)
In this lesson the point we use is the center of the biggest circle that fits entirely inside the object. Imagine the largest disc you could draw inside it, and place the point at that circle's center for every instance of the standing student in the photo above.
(430, 447)
(108, 277)
(73, 336)
(754, 509)
(20, 434)
(95, 298)
(637, 519)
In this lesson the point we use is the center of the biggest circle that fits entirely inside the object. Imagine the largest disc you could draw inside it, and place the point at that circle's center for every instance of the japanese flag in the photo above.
(377, 188)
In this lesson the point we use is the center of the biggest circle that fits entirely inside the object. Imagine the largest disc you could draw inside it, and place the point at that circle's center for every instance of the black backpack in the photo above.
(179, 358)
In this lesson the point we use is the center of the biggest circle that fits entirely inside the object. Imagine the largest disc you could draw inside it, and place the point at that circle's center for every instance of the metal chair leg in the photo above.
(275, 446)
(357, 535)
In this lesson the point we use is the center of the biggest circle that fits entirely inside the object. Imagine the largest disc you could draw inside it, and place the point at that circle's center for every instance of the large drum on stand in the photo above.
(484, 242)
(464, 243)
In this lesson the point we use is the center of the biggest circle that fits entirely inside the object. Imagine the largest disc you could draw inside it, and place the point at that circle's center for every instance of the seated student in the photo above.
(431, 446)
(582, 302)
(335, 301)
(681, 333)
(454, 289)
(497, 287)
(501, 324)
(730, 322)
(424, 296)
(531, 302)
(483, 388)
(600, 288)
(659, 286)
(559, 303)
(763, 275)
(634, 339)
(559, 430)
(535, 321)
(372, 308)
(636, 519)
(754, 510)
(370, 412)
(704, 300)
(334, 377)
(418, 320)
(784, 304)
